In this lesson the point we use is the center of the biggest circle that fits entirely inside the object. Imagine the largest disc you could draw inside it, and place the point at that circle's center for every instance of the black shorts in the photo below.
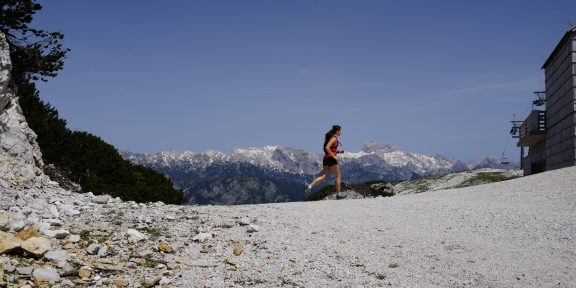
(329, 161)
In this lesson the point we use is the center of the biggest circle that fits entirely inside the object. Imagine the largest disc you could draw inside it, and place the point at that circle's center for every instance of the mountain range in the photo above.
(277, 174)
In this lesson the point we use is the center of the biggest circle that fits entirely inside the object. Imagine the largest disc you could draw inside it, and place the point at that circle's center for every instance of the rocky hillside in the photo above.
(454, 180)
(20, 157)
(373, 189)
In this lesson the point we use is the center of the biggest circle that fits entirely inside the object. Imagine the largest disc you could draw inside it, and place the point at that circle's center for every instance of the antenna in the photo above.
(571, 25)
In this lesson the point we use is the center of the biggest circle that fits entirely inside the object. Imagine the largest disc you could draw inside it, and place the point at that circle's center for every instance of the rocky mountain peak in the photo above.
(373, 147)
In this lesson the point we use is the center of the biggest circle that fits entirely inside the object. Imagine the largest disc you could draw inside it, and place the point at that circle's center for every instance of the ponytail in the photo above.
(330, 134)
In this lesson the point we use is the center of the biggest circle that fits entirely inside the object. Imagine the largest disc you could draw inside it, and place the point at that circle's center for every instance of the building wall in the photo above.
(536, 158)
(561, 106)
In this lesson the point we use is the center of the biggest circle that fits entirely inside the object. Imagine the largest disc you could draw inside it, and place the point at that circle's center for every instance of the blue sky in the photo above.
(430, 77)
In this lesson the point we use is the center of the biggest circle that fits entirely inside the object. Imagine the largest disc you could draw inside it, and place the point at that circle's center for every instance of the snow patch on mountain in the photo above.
(290, 160)
(256, 156)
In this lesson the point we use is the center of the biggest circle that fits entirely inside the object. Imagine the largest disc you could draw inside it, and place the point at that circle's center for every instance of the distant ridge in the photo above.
(276, 173)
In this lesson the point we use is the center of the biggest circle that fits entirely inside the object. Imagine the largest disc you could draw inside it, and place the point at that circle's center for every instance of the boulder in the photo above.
(58, 234)
(136, 235)
(37, 246)
(8, 242)
(101, 199)
(43, 275)
(57, 256)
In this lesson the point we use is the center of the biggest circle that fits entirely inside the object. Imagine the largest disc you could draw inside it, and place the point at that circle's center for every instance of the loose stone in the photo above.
(37, 246)
(253, 228)
(25, 270)
(202, 237)
(46, 275)
(165, 247)
(8, 242)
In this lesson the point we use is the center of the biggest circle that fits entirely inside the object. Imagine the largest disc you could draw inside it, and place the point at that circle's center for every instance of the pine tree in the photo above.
(35, 54)
(80, 156)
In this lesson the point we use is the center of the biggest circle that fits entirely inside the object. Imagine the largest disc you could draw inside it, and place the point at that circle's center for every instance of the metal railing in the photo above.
(533, 130)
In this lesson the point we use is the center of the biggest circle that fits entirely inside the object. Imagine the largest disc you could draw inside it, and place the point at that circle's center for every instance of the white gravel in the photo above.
(516, 233)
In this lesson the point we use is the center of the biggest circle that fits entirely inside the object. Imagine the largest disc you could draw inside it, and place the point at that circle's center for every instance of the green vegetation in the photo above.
(79, 156)
(423, 184)
(368, 189)
(484, 178)
(154, 232)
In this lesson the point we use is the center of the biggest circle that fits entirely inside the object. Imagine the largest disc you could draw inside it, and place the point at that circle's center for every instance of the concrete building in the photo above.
(550, 134)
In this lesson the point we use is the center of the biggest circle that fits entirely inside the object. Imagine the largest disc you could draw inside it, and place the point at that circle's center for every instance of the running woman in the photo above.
(330, 161)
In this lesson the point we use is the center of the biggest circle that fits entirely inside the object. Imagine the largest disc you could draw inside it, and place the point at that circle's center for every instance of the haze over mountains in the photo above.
(276, 174)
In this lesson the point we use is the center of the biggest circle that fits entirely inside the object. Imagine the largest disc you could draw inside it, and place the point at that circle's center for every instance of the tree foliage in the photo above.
(82, 157)
(35, 54)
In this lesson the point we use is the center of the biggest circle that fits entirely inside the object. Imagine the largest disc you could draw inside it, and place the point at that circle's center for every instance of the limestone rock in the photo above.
(4, 221)
(17, 223)
(37, 246)
(28, 233)
(169, 217)
(140, 261)
(164, 281)
(101, 199)
(116, 282)
(202, 237)
(253, 228)
(25, 270)
(238, 250)
(103, 252)
(93, 249)
(230, 262)
(57, 256)
(136, 235)
(21, 160)
(54, 211)
(85, 272)
(8, 242)
(54, 222)
(74, 238)
(46, 275)
(244, 222)
(58, 234)
(165, 247)
(154, 282)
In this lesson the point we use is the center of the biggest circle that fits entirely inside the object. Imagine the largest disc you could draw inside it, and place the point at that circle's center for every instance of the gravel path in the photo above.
(517, 233)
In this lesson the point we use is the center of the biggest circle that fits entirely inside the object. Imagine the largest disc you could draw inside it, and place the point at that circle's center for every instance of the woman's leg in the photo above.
(321, 178)
(336, 171)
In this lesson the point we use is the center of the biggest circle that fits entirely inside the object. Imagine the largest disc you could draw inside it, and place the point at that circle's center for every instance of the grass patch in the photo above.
(150, 262)
(85, 239)
(372, 188)
(112, 252)
(422, 187)
(154, 232)
(251, 282)
(286, 281)
(484, 178)
(224, 226)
